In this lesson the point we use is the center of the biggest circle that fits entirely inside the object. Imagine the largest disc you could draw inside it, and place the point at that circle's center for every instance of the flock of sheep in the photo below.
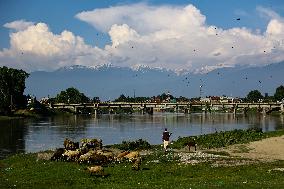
(91, 152)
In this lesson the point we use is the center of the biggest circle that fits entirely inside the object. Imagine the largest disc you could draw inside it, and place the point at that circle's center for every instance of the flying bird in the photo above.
(238, 19)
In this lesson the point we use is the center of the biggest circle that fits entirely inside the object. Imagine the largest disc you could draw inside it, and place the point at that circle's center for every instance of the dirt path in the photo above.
(269, 149)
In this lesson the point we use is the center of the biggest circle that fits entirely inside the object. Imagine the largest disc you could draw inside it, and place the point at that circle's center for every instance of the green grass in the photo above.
(23, 171)
(223, 139)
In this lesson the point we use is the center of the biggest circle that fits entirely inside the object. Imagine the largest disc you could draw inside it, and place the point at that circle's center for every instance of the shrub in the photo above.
(221, 139)
(133, 145)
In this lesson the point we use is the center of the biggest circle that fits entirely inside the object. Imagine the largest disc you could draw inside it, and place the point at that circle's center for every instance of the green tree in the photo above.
(72, 96)
(254, 96)
(279, 93)
(12, 86)
(121, 98)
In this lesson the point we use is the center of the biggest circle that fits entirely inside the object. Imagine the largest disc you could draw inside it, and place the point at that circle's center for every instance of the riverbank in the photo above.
(25, 113)
(179, 168)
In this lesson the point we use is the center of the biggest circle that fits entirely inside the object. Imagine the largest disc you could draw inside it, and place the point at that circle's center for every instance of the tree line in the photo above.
(256, 96)
(12, 86)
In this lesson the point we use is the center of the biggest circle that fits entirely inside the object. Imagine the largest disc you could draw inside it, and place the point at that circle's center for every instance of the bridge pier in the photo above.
(235, 110)
(282, 107)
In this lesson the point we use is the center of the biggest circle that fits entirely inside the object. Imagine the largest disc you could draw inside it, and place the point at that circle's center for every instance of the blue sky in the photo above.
(59, 15)
(255, 15)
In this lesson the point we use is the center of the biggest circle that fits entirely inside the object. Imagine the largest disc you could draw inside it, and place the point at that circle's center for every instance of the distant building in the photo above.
(44, 100)
(205, 100)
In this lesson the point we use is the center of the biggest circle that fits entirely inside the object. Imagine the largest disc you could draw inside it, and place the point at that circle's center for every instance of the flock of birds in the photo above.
(186, 80)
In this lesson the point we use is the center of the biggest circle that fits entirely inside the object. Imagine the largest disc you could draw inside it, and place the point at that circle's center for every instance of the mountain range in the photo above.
(108, 82)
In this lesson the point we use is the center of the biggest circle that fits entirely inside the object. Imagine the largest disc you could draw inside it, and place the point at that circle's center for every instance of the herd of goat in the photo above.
(91, 152)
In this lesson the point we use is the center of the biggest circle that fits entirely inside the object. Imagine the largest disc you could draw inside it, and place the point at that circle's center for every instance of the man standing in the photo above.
(166, 138)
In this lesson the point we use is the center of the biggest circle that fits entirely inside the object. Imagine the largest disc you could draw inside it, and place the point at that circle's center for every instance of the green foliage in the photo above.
(254, 96)
(72, 96)
(12, 86)
(221, 139)
(133, 145)
(279, 93)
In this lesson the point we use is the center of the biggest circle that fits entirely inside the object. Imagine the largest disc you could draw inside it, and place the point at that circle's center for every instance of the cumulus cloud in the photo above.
(18, 25)
(171, 37)
(178, 38)
(268, 13)
(37, 48)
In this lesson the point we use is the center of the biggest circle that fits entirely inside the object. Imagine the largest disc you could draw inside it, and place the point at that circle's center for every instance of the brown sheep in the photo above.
(70, 145)
(137, 163)
(57, 154)
(132, 155)
(191, 144)
(98, 159)
(120, 156)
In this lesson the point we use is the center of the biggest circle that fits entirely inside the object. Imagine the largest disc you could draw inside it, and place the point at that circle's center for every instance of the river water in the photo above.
(32, 135)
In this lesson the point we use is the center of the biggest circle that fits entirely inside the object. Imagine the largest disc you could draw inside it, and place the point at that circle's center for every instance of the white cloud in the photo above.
(18, 25)
(171, 37)
(177, 37)
(144, 18)
(268, 13)
(37, 48)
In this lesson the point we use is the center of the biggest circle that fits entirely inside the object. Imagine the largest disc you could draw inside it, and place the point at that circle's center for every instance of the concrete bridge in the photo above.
(186, 107)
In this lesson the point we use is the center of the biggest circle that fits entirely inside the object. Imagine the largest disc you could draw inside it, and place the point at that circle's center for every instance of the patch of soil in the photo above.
(269, 149)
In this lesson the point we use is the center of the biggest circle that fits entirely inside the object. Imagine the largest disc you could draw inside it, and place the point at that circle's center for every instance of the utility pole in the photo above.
(200, 91)
(11, 102)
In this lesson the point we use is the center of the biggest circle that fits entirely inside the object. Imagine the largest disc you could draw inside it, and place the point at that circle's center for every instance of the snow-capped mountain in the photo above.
(108, 82)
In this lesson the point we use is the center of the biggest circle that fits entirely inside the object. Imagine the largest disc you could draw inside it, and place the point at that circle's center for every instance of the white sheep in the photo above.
(71, 155)
(97, 170)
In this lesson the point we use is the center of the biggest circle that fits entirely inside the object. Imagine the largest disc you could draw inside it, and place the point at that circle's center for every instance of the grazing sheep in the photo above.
(132, 155)
(120, 156)
(84, 149)
(44, 156)
(191, 143)
(108, 154)
(57, 154)
(97, 170)
(137, 163)
(92, 143)
(85, 158)
(98, 159)
(71, 155)
(70, 145)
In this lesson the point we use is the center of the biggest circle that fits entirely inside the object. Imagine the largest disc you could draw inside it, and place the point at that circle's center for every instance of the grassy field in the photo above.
(158, 170)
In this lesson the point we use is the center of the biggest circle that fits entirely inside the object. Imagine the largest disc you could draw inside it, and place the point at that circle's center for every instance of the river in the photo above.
(32, 135)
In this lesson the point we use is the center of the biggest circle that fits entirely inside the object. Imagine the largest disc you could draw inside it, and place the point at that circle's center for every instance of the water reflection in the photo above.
(12, 134)
(49, 133)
